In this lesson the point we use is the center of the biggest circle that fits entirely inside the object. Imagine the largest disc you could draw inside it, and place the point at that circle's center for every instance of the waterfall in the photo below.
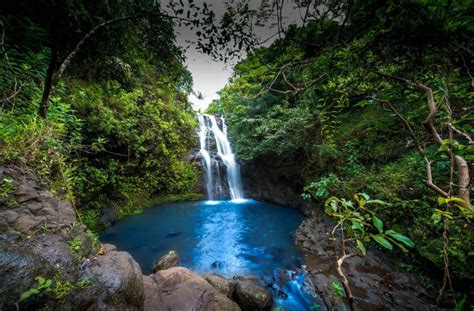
(215, 146)
(203, 132)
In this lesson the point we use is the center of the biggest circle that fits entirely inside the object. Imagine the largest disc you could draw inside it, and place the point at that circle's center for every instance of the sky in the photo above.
(210, 76)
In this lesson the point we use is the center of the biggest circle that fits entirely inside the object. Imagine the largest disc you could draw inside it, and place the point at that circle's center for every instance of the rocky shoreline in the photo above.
(377, 283)
(41, 239)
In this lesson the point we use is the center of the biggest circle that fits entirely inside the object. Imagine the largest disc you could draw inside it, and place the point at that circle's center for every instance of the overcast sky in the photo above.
(210, 76)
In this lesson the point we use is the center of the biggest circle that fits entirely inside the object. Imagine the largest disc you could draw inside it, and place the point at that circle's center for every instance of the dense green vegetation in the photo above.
(328, 107)
(118, 124)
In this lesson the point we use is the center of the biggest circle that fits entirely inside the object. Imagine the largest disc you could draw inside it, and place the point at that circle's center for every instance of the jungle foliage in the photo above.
(118, 123)
(316, 105)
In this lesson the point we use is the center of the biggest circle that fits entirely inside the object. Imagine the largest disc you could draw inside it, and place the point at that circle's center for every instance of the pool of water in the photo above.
(230, 238)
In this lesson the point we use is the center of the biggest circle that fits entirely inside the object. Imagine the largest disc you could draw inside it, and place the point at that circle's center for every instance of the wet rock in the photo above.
(18, 270)
(107, 218)
(217, 264)
(221, 284)
(167, 261)
(117, 282)
(248, 278)
(172, 234)
(252, 297)
(374, 280)
(181, 289)
(55, 250)
(35, 241)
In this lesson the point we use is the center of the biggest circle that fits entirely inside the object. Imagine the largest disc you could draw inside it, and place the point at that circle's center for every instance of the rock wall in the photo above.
(40, 237)
(265, 183)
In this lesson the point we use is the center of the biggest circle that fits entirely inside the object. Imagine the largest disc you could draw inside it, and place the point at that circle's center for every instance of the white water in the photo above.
(209, 129)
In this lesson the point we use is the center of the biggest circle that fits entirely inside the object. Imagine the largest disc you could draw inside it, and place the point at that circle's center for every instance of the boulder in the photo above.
(18, 270)
(167, 261)
(152, 294)
(221, 284)
(116, 282)
(252, 297)
(180, 289)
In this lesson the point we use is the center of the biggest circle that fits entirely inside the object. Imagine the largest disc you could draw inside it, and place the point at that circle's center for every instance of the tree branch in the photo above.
(462, 167)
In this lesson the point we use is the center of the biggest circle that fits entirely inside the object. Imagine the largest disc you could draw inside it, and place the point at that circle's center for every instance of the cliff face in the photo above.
(264, 183)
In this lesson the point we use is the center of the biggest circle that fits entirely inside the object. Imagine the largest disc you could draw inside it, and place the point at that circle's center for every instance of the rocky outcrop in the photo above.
(250, 297)
(180, 289)
(221, 284)
(167, 261)
(374, 280)
(264, 183)
(118, 282)
(243, 290)
(40, 237)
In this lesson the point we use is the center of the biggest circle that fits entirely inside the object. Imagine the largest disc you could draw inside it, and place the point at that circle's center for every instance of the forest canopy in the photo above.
(375, 97)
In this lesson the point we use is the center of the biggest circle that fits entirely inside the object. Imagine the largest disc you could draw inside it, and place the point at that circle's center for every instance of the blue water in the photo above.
(225, 237)
(246, 238)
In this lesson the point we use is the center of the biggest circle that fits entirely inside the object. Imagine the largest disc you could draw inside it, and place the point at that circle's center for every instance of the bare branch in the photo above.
(462, 167)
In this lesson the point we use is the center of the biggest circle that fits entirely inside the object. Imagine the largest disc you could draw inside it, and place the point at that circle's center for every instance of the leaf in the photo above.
(28, 294)
(361, 246)
(400, 237)
(382, 241)
(378, 202)
(365, 196)
(460, 305)
(357, 225)
(41, 280)
(436, 218)
(378, 223)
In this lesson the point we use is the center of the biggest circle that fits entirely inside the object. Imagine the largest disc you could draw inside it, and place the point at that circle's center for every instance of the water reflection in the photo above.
(220, 243)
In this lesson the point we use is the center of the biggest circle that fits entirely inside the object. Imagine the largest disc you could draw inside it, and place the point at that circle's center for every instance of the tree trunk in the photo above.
(48, 84)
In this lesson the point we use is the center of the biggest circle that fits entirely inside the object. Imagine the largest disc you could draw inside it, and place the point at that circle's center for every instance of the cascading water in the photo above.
(215, 149)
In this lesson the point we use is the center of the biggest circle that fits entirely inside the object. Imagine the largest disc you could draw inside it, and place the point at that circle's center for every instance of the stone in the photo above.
(223, 285)
(109, 248)
(152, 294)
(181, 289)
(172, 234)
(10, 216)
(117, 282)
(252, 297)
(107, 218)
(25, 223)
(25, 192)
(18, 270)
(47, 211)
(34, 206)
(167, 261)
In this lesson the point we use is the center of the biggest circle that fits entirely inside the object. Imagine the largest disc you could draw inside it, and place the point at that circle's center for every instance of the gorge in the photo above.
(236, 155)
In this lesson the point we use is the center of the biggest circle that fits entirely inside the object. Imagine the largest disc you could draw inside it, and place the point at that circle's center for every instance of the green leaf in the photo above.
(378, 223)
(28, 294)
(400, 237)
(361, 246)
(436, 218)
(378, 202)
(382, 241)
(41, 280)
(357, 225)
